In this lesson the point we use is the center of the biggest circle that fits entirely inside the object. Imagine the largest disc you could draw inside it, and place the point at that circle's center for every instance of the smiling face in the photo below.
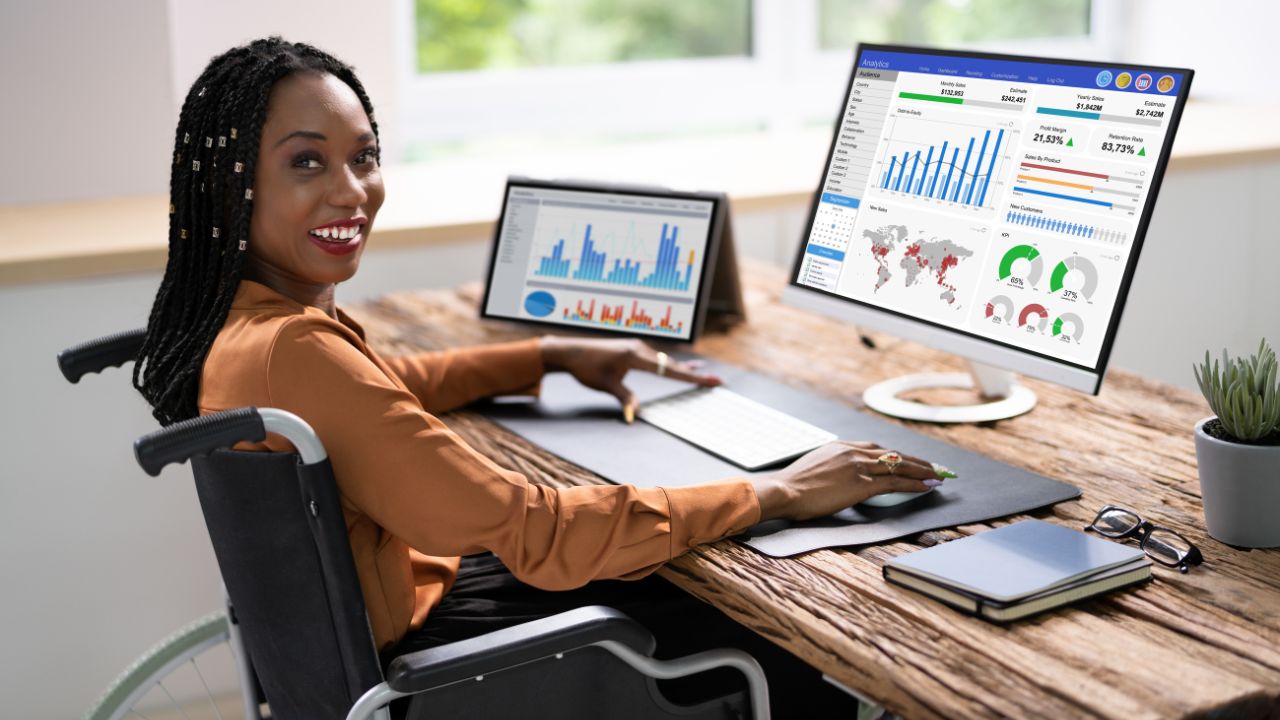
(317, 187)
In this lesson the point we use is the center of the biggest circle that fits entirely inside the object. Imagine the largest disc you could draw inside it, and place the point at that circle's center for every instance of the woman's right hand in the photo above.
(836, 476)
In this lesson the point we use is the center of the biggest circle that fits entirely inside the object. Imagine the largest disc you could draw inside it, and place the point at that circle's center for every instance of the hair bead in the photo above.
(233, 133)
(195, 165)
(182, 233)
(243, 243)
(239, 167)
(217, 232)
(222, 141)
(248, 194)
(171, 208)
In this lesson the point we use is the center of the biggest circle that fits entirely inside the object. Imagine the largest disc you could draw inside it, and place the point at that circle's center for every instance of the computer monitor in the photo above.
(604, 257)
(991, 206)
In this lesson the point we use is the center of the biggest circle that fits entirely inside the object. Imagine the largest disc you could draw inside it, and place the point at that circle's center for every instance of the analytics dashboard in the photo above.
(999, 197)
(592, 259)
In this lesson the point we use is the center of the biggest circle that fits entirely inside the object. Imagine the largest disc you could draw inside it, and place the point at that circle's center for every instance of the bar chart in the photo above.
(1079, 187)
(672, 269)
(951, 162)
(617, 316)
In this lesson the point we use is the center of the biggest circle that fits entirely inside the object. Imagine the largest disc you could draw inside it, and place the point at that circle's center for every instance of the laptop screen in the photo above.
(598, 258)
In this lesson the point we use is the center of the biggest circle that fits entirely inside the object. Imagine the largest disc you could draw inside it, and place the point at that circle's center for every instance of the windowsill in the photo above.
(456, 200)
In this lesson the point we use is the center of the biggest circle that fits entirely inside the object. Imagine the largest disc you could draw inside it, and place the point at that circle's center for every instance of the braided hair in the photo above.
(215, 154)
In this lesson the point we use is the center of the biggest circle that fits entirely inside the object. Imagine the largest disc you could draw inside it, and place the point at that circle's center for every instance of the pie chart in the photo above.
(540, 303)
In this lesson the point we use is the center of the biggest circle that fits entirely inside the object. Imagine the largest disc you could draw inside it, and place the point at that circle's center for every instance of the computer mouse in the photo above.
(890, 499)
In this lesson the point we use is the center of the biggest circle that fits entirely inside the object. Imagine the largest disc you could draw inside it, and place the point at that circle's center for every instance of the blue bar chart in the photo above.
(930, 173)
(671, 270)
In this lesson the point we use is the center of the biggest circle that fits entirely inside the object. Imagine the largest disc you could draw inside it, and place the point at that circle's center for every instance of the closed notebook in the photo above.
(1019, 569)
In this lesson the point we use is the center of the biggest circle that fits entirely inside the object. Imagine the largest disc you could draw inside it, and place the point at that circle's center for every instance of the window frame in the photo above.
(787, 83)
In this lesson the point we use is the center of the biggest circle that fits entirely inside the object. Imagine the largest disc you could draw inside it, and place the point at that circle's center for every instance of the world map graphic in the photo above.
(921, 258)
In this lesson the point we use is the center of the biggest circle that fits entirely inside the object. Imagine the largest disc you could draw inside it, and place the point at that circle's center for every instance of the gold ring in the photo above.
(662, 363)
(891, 460)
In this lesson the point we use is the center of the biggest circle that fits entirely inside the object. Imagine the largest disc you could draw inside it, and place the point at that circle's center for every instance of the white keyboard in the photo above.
(738, 429)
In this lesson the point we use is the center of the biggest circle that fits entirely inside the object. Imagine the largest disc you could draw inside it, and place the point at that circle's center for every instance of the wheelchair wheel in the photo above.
(175, 678)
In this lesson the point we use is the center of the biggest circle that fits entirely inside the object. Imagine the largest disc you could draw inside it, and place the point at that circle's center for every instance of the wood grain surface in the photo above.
(1206, 643)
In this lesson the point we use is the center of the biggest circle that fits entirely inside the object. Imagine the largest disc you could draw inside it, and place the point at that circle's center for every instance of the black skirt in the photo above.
(487, 597)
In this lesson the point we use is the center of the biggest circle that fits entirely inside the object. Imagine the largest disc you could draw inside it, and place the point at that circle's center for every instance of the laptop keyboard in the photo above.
(738, 429)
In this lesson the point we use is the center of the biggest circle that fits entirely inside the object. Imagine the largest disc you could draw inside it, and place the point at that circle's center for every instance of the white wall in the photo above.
(360, 34)
(1230, 45)
(87, 110)
(92, 90)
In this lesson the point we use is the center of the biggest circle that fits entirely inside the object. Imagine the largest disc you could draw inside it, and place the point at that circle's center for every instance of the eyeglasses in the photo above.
(1160, 543)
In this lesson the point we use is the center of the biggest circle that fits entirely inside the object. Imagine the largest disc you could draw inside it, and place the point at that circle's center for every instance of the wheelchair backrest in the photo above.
(281, 543)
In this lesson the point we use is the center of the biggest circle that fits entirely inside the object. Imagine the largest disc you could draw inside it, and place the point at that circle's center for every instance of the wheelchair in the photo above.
(295, 618)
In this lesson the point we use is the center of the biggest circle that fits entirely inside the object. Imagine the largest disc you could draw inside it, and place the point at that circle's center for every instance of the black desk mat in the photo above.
(585, 427)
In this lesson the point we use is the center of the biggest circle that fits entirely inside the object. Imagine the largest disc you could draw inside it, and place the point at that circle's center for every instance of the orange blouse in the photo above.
(415, 495)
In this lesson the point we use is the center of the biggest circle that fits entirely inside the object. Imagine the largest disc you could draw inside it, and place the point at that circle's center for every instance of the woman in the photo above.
(274, 192)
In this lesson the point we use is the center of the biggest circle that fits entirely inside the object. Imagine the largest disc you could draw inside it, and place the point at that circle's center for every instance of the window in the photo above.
(842, 23)
(455, 35)
(495, 76)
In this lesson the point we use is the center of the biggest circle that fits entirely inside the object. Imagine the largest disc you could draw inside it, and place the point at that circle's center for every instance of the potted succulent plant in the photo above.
(1238, 452)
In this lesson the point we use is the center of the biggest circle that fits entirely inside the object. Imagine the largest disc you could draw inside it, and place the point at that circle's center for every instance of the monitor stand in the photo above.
(1008, 397)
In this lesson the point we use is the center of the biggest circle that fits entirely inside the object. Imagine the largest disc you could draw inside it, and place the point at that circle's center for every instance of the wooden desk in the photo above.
(1182, 645)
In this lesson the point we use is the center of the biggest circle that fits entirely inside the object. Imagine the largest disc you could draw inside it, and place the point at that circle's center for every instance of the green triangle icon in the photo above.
(1070, 142)
(1142, 152)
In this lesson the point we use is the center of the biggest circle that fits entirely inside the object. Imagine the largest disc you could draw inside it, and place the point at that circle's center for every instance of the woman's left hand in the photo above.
(602, 364)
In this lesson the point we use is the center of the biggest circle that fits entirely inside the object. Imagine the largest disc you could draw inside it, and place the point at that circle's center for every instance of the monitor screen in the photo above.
(998, 198)
(600, 258)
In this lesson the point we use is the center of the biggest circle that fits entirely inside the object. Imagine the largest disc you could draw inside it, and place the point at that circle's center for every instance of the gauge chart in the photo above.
(1000, 310)
(1026, 273)
(1034, 317)
(1068, 326)
(1082, 273)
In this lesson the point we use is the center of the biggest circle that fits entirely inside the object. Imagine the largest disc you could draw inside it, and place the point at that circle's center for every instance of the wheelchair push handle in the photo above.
(99, 354)
(198, 436)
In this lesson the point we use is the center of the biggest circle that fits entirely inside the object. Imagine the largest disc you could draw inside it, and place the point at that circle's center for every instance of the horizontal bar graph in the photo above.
(1063, 196)
(936, 176)
(1104, 117)
(668, 271)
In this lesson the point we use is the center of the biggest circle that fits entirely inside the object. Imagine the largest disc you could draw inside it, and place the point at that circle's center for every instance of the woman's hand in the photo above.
(836, 476)
(601, 365)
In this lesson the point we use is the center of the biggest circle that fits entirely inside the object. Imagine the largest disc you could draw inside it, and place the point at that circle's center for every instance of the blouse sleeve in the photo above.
(411, 475)
(452, 378)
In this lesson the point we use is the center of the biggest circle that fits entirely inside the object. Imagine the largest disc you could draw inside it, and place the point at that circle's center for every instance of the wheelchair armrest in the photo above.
(534, 640)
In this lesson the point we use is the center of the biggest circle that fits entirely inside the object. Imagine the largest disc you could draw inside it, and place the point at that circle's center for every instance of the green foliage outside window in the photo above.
(480, 34)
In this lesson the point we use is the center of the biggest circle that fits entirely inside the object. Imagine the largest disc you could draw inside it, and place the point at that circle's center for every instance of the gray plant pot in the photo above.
(1240, 488)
